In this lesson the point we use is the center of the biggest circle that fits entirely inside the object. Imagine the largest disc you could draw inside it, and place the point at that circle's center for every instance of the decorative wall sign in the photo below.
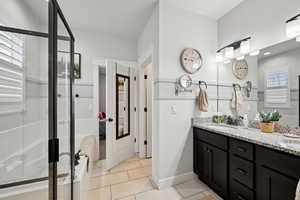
(191, 60)
(240, 69)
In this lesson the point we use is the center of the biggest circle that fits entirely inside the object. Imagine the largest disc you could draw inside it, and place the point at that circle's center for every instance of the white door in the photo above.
(119, 136)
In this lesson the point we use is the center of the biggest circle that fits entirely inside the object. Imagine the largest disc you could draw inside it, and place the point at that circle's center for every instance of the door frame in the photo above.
(96, 65)
(143, 63)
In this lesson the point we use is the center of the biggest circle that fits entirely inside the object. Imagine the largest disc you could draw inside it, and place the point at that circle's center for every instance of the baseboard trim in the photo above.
(174, 180)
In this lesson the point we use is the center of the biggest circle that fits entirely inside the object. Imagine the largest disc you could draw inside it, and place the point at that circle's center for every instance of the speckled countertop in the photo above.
(272, 140)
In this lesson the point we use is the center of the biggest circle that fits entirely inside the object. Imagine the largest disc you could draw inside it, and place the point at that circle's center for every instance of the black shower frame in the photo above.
(54, 11)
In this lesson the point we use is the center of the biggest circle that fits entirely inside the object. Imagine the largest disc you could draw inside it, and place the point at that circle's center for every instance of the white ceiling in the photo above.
(124, 18)
(211, 8)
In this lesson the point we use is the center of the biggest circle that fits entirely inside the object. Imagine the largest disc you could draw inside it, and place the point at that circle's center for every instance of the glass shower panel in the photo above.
(23, 116)
(63, 111)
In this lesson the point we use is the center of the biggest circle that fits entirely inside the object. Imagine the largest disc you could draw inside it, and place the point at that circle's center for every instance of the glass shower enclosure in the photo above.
(36, 101)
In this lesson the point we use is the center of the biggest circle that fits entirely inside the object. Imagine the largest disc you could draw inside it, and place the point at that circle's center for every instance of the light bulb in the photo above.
(255, 53)
(219, 57)
(293, 28)
(229, 52)
(240, 58)
(245, 47)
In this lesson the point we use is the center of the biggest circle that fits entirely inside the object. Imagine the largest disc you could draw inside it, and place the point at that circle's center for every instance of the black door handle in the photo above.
(110, 120)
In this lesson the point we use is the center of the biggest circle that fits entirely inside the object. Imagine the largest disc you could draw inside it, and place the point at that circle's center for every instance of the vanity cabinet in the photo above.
(277, 174)
(211, 161)
(239, 170)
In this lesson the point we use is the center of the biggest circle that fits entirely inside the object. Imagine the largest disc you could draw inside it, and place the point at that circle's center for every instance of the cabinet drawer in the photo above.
(242, 149)
(239, 192)
(279, 161)
(214, 139)
(242, 171)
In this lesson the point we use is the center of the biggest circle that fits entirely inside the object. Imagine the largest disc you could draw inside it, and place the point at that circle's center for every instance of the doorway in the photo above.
(102, 112)
(115, 101)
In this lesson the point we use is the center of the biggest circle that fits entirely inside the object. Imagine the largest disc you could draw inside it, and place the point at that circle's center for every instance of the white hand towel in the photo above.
(298, 192)
(237, 99)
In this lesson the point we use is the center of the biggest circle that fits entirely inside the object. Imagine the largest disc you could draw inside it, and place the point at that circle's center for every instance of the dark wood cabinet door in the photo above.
(203, 159)
(272, 185)
(218, 170)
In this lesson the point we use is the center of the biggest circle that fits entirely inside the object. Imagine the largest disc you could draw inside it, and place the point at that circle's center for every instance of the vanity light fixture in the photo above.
(229, 50)
(267, 53)
(255, 53)
(293, 27)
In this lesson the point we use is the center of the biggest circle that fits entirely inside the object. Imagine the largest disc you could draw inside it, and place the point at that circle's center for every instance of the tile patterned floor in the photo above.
(131, 181)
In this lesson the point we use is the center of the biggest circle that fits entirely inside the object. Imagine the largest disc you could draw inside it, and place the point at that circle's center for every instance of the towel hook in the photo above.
(202, 82)
(236, 85)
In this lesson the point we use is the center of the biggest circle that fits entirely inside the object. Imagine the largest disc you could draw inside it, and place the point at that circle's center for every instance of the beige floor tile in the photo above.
(99, 194)
(139, 173)
(128, 198)
(196, 197)
(98, 172)
(191, 188)
(133, 159)
(146, 162)
(212, 193)
(109, 179)
(126, 166)
(130, 188)
(165, 194)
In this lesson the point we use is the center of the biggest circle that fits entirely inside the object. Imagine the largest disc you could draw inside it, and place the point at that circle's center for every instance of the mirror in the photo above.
(272, 83)
(123, 106)
(185, 81)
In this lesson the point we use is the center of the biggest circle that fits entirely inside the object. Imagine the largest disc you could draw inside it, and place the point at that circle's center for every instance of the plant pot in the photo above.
(276, 123)
(267, 127)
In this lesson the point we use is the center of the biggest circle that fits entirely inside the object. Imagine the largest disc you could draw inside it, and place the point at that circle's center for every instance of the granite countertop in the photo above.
(271, 140)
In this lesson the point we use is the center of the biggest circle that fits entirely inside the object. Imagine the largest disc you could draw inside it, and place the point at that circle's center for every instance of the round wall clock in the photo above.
(191, 60)
(240, 69)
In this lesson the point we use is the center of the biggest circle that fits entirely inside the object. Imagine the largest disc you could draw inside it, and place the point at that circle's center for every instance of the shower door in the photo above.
(61, 111)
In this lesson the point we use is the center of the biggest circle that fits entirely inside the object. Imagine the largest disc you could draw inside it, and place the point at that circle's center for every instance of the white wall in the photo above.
(179, 29)
(263, 20)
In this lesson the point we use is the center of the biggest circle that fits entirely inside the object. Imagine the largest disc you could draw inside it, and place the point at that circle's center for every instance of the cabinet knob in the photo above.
(241, 149)
(241, 171)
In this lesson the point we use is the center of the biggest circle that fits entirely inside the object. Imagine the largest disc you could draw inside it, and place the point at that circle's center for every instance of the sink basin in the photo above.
(215, 125)
(289, 143)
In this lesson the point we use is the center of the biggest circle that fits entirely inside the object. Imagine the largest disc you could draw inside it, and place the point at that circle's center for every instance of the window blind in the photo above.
(277, 92)
(11, 67)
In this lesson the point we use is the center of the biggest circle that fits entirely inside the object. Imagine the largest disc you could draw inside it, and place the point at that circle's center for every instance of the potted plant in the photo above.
(266, 122)
(276, 116)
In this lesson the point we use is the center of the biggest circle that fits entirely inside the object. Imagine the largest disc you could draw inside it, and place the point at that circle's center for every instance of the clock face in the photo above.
(240, 69)
(191, 60)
